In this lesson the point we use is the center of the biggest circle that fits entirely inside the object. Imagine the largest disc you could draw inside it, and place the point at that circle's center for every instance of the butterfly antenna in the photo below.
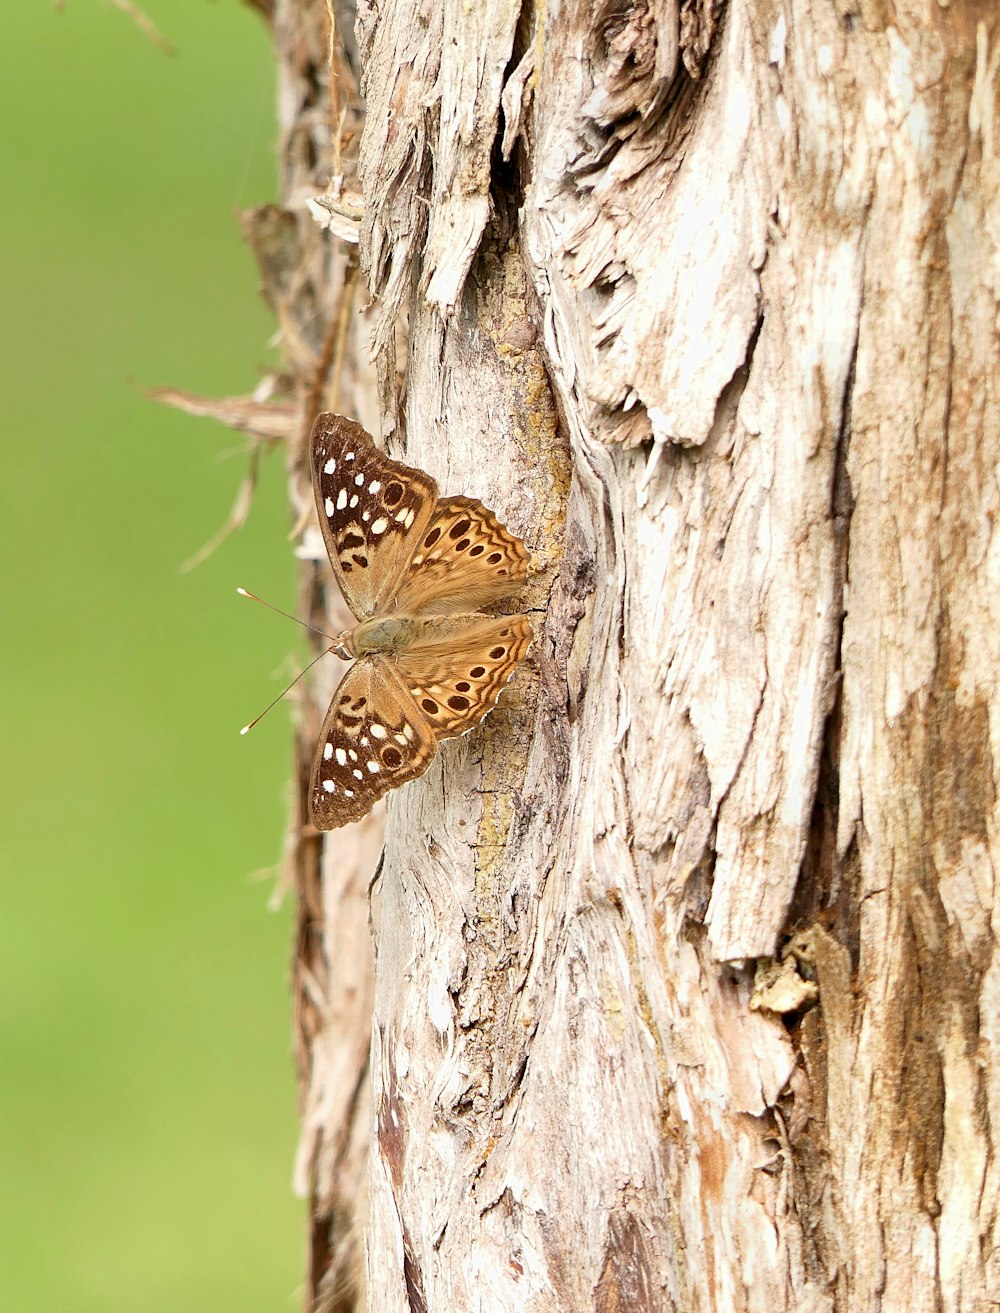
(243, 592)
(247, 728)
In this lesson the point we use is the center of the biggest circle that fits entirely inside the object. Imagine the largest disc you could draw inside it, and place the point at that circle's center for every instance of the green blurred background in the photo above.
(147, 1101)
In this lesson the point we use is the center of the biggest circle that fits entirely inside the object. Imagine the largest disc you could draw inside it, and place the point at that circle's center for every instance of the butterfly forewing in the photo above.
(456, 678)
(464, 559)
(374, 739)
(372, 510)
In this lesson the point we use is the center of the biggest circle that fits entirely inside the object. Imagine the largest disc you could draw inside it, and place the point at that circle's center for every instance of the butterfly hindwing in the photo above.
(374, 738)
(456, 673)
(464, 559)
(372, 511)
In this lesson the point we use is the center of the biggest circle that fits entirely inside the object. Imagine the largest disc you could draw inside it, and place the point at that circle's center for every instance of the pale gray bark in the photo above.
(684, 993)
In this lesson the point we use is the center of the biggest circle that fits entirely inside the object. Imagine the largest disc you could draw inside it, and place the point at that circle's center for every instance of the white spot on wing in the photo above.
(380, 525)
(374, 486)
(378, 731)
(373, 766)
(354, 501)
(359, 479)
(328, 506)
(348, 793)
(341, 499)
(329, 786)
(328, 752)
(330, 466)
(341, 757)
(358, 775)
(348, 455)
(352, 754)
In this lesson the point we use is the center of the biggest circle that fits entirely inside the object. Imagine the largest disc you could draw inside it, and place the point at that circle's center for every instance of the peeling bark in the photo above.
(684, 991)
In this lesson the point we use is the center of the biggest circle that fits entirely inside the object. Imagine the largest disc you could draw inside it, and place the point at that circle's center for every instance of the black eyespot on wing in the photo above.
(392, 758)
(433, 536)
(458, 704)
(477, 672)
(460, 529)
(430, 706)
(350, 541)
(393, 493)
(463, 686)
(460, 547)
(478, 550)
(360, 560)
(497, 652)
(494, 558)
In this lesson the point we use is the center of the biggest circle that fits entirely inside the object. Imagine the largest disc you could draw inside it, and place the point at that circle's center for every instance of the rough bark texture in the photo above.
(685, 985)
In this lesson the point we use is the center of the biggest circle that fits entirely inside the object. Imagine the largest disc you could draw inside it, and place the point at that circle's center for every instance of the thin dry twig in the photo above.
(142, 21)
(336, 116)
(266, 423)
(239, 513)
(331, 365)
(330, 368)
(261, 419)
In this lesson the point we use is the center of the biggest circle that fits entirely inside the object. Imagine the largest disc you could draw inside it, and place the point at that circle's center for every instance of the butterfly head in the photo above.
(343, 647)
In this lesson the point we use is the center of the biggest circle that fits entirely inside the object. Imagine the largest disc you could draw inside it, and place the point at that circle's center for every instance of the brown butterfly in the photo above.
(413, 567)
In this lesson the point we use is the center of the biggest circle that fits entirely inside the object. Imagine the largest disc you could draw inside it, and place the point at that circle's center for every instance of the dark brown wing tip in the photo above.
(321, 823)
(329, 423)
(326, 823)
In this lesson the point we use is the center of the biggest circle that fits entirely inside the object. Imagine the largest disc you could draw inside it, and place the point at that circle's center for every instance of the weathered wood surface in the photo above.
(703, 300)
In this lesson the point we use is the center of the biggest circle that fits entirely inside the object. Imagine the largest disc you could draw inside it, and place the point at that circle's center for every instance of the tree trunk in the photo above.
(684, 992)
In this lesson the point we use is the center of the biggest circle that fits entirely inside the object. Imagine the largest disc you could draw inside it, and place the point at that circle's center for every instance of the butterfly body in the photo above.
(413, 568)
(383, 635)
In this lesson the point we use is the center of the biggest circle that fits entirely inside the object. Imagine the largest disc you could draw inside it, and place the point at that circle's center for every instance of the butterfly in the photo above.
(414, 568)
